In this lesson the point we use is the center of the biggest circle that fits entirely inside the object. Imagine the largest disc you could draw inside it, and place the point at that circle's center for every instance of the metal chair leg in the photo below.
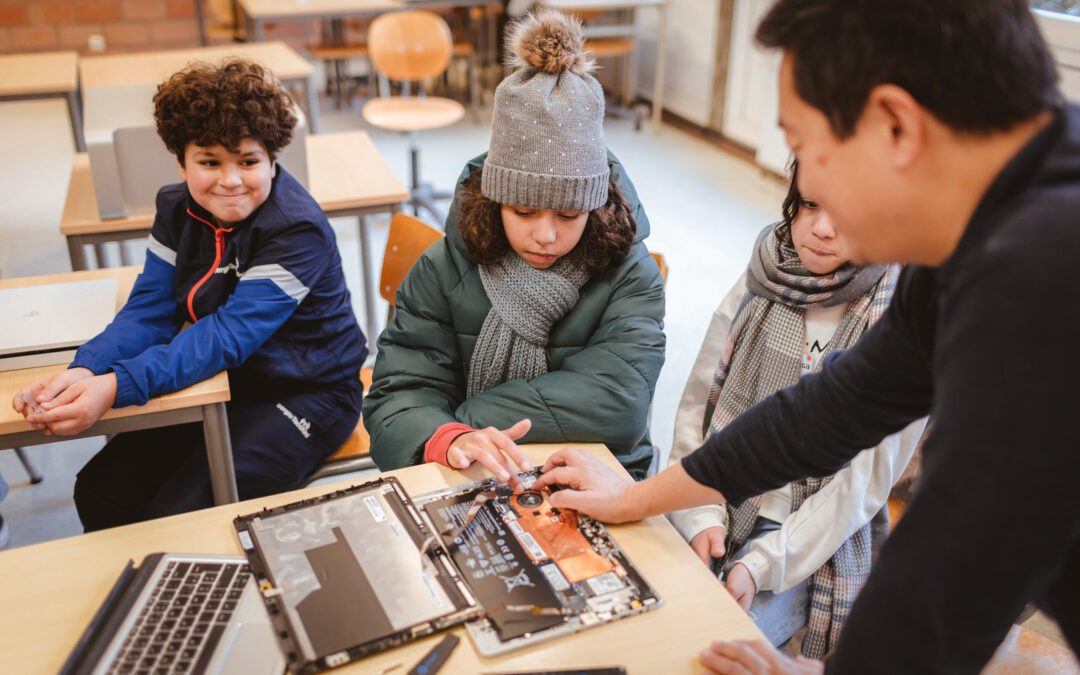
(35, 477)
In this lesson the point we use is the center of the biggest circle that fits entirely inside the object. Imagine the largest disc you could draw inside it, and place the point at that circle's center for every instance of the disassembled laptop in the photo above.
(365, 569)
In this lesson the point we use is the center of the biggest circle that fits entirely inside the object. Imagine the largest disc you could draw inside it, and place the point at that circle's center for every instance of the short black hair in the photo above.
(979, 66)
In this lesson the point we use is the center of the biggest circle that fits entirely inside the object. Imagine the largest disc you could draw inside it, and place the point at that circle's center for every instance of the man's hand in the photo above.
(28, 401)
(79, 406)
(740, 657)
(591, 487)
(740, 584)
(491, 447)
(709, 543)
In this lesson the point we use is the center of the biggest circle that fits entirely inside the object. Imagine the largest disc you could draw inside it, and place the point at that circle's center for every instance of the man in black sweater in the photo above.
(934, 135)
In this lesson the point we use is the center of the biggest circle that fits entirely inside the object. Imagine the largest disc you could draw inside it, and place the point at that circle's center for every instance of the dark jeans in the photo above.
(148, 474)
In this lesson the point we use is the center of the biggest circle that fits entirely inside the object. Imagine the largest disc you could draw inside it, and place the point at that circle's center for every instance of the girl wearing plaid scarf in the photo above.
(796, 556)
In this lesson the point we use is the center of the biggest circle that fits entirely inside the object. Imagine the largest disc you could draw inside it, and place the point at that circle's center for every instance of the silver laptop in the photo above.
(180, 614)
(44, 325)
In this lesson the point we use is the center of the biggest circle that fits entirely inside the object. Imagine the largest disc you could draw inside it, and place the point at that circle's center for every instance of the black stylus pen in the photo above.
(434, 660)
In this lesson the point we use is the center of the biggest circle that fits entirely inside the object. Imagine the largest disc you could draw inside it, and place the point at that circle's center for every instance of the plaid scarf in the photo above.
(764, 354)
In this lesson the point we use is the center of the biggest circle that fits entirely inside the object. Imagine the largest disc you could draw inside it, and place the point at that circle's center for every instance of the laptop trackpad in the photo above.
(251, 648)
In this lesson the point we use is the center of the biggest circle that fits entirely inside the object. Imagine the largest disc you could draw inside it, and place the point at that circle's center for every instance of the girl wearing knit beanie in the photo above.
(538, 317)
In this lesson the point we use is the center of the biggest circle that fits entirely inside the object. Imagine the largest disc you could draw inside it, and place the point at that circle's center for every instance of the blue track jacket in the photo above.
(266, 299)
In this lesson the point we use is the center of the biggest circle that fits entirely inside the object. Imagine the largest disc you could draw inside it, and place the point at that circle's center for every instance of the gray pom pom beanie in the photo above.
(547, 137)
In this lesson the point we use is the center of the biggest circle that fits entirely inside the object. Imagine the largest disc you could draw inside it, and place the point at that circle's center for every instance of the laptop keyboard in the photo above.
(184, 620)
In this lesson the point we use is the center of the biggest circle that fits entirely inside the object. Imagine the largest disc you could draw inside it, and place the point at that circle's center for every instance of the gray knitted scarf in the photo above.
(525, 304)
(763, 354)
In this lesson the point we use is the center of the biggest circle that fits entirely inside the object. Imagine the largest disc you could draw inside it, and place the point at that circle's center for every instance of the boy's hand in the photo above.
(79, 406)
(28, 401)
(740, 584)
(491, 447)
(709, 543)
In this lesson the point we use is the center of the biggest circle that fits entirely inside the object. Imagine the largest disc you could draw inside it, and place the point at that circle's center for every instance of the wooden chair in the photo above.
(334, 56)
(410, 47)
(661, 263)
(619, 48)
(219, 24)
(409, 237)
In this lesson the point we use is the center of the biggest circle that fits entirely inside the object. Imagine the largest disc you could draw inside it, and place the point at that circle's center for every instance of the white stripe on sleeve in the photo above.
(281, 277)
(162, 251)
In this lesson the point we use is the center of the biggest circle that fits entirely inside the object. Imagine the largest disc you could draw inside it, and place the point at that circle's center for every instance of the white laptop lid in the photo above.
(54, 316)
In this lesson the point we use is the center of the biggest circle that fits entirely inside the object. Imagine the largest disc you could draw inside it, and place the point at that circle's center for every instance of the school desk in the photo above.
(288, 66)
(257, 12)
(26, 77)
(62, 583)
(203, 402)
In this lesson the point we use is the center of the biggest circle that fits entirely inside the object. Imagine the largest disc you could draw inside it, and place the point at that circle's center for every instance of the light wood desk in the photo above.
(257, 12)
(25, 77)
(661, 7)
(288, 66)
(203, 402)
(347, 176)
(62, 583)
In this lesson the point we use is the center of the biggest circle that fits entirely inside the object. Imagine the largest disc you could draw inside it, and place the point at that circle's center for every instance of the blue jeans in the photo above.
(778, 615)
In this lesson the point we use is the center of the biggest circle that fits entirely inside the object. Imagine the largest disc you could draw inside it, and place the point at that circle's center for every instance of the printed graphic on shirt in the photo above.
(299, 422)
(234, 266)
(820, 325)
(813, 353)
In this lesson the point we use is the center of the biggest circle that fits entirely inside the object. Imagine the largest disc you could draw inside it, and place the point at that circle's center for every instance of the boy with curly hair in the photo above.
(242, 253)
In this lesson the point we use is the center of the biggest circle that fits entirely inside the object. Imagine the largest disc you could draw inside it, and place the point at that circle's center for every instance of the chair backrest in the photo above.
(410, 46)
(221, 11)
(661, 263)
(409, 237)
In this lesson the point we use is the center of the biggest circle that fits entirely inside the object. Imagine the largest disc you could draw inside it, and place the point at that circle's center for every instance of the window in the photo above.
(1071, 7)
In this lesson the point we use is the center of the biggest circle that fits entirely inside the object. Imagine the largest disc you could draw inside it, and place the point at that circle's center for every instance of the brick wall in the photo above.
(127, 25)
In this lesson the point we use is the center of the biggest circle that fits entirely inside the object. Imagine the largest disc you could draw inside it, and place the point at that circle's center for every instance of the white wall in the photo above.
(692, 27)
(1063, 34)
(750, 102)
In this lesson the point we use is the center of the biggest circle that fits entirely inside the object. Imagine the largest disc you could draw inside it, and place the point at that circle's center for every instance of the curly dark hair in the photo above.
(209, 105)
(609, 231)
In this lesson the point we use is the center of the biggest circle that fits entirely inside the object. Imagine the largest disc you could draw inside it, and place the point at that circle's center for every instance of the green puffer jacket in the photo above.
(604, 356)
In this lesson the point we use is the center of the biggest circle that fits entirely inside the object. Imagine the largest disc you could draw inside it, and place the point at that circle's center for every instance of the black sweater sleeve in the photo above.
(816, 426)
(994, 520)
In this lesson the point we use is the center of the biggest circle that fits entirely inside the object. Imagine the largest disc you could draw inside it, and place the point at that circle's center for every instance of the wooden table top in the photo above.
(213, 390)
(53, 589)
(261, 10)
(153, 67)
(345, 171)
(38, 73)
